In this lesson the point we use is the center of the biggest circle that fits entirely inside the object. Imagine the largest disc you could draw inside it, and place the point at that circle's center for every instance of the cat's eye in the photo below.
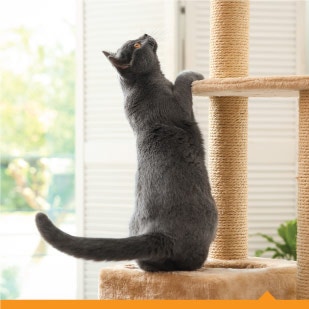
(137, 45)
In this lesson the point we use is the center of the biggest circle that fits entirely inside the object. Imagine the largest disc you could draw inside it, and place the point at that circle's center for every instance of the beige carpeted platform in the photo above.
(270, 86)
(236, 279)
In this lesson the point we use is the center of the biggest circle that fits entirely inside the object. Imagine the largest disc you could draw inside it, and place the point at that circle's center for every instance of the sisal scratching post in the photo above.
(302, 291)
(229, 53)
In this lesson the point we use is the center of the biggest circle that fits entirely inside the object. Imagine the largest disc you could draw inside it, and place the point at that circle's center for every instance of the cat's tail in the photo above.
(154, 245)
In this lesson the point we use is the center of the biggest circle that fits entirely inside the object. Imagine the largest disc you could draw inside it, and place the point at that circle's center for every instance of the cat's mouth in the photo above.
(115, 61)
(151, 41)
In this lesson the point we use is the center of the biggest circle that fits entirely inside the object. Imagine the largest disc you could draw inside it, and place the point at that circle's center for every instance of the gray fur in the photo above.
(175, 217)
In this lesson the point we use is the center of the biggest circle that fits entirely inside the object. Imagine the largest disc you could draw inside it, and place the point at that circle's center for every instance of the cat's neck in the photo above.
(132, 81)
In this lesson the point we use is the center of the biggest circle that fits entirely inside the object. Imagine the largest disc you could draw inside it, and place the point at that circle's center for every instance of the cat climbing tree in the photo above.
(231, 274)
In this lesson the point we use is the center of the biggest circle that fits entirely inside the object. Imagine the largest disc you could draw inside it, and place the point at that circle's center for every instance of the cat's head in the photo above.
(135, 57)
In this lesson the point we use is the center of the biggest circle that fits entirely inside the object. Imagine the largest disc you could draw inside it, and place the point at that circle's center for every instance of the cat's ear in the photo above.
(115, 62)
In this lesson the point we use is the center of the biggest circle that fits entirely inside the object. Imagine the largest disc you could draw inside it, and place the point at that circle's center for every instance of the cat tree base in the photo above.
(218, 279)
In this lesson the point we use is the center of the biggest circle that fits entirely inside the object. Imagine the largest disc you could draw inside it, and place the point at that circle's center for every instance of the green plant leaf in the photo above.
(267, 237)
(278, 255)
(270, 239)
(268, 249)
(286, 249)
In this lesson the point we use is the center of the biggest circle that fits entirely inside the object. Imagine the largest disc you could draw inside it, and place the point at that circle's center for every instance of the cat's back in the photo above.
(180, 142)
(171, 164)
(173, 192)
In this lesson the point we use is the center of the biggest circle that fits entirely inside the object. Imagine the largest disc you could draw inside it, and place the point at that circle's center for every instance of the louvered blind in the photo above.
(272, 122)
(109, 144)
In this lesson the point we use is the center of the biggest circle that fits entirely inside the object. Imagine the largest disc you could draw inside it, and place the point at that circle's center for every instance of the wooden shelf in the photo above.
(271, 86)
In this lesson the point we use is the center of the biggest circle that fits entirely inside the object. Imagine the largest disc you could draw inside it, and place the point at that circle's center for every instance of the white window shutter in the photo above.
(272, 121)
(108, 165)
(197, 31)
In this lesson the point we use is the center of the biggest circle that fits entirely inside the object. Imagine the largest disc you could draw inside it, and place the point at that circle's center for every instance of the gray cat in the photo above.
(175, 216)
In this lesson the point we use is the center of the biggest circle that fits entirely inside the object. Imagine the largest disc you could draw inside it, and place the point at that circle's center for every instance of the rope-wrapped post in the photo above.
(302, 287)
(228, 127)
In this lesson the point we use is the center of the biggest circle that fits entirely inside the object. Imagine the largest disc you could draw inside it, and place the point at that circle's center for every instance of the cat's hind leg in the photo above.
(189, 264)
(155, 266)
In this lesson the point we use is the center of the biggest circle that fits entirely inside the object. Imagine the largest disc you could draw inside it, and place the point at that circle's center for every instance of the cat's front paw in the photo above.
(190, 76)
(197, 76)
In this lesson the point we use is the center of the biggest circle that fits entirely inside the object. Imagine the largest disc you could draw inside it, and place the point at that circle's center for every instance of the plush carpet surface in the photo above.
(270, 86)
(218, 279)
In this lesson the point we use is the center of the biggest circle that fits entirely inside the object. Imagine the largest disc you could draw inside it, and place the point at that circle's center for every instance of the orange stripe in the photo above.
(153, 304)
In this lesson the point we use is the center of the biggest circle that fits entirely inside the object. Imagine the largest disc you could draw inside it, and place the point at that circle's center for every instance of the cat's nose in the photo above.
(146, 35)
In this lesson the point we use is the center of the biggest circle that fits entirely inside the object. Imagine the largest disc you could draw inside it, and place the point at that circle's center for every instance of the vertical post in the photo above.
(302, 287)
(228, 127)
